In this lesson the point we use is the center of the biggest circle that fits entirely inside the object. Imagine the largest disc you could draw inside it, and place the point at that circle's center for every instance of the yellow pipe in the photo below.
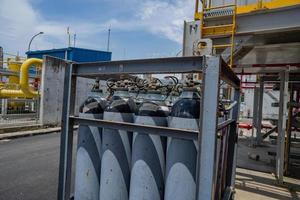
(14, 66)
(7, 93)
(25, 91)
(24, 76)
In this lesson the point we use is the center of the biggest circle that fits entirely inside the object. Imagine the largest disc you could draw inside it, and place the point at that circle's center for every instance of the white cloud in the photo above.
(166, 18)
(163, 18)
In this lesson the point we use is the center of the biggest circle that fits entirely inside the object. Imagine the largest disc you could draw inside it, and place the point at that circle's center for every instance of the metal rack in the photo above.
(213, 69)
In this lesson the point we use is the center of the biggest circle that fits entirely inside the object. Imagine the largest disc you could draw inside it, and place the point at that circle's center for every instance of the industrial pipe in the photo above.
(25, 91)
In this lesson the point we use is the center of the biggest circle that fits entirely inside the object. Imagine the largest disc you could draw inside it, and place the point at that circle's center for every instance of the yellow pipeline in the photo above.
(25, 91)
(14, 66)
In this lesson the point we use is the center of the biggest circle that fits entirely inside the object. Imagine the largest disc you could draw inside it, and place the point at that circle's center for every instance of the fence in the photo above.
(19, 112)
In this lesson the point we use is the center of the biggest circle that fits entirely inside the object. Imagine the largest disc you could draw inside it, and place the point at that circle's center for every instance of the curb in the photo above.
(19, 134)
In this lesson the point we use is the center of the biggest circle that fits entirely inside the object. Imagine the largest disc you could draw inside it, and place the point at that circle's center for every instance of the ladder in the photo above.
(220, 22)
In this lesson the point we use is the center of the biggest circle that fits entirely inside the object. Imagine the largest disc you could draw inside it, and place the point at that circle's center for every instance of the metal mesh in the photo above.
(19, 112)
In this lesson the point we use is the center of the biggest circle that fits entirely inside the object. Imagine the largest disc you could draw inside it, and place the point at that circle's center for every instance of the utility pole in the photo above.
(108, 38)
(1, 57)
(74, 40)
(69, 36)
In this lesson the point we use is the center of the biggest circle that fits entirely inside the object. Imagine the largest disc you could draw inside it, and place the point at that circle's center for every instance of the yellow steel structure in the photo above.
(229, 28)
(224, 30)
(24, 90)
(260, 5)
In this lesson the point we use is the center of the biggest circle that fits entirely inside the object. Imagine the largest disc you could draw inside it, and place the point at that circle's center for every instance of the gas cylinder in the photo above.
(181, 154)
(87, 175)
(116, 148)
(148, 151)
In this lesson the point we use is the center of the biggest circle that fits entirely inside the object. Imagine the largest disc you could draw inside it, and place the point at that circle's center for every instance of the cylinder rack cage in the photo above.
(213, 69)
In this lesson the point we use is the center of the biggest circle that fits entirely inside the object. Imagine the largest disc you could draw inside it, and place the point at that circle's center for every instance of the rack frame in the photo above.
(213, 69)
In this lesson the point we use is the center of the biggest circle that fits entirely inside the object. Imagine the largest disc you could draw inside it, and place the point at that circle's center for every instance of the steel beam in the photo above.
(228, 75)
(146, 129)
(66, 138)
(284, 76)
(208, 125)
(144, 66)
(263, 70)
(269, 21)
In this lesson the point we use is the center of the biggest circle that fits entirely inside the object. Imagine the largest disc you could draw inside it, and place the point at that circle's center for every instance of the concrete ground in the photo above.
(29, 171)
(256, 185)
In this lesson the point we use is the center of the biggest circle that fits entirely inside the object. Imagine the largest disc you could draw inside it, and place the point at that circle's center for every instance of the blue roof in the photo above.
(63, 49)
(73, 53)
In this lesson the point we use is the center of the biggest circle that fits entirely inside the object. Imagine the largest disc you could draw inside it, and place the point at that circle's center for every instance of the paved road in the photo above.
(29, 168)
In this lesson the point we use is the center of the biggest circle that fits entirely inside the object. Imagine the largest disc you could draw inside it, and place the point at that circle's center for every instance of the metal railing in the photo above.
(19, 112)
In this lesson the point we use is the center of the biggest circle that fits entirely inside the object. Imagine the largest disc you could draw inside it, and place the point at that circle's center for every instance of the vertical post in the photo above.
(36, 102)
(1, 58)
(66, 139)
(196, 8)
(4, 107)
(254, 114)
(208, 129)
(288, 132)
(284, 76)
(259, 4)
(234, 133)
(260, 112)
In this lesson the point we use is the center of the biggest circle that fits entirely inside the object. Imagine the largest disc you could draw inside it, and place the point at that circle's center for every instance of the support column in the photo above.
(288, 132)
(284, 80)
(66, 137)
(260, 112)
(254, 115)
(208, 130)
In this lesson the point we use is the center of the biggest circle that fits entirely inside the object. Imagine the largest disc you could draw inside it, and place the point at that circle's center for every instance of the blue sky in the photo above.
(140, 28)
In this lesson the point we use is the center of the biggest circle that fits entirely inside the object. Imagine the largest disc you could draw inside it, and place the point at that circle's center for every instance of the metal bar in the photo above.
(144, 66)
(275, 20)
(229, 76)
(146, 129)
(260, 112)
(6, 72)
(3, 107)
(66, 139)
(270, 132)
(19, 115)
(263, 70)
(208, 125)
(288, 133)
(281, 125)
(276, 79)
(218, 26)
(219, 7)
(225, 124)
(232, 159)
